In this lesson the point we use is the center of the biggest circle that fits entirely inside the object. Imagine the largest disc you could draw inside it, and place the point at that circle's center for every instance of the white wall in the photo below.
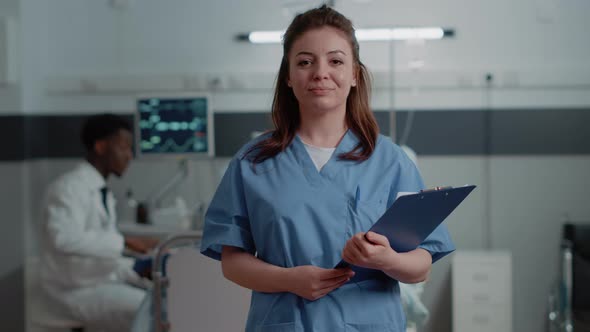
(9, 54)
(34, 43)
(84, 55)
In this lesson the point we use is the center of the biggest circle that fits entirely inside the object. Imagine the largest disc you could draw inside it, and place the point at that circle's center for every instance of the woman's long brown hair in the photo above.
(285, 107)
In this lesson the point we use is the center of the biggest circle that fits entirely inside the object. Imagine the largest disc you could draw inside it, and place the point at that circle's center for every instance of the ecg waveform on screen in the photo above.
(156, 124)
(170, 146)
(176, 126)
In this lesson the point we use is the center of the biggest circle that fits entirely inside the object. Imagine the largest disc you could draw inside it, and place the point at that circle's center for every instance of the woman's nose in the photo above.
(321, 72)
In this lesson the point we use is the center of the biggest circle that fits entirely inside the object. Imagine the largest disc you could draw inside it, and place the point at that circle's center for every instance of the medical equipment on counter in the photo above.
(156, 198)
(178, 215)
(174, 215)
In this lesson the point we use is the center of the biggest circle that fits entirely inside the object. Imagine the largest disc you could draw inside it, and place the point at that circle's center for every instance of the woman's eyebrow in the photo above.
(303, 53)
(330, 52)
(337, 51)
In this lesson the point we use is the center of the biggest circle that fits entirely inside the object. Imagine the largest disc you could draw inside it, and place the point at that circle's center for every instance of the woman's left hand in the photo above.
(369, 250)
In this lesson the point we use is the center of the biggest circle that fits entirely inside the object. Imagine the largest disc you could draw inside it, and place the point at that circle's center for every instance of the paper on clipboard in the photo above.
(414, 216)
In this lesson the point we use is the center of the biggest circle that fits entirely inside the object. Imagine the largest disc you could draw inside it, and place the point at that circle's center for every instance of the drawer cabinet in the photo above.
(482, 291)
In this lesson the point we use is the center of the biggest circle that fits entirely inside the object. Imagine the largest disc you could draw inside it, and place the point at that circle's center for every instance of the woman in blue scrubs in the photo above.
(297, 200)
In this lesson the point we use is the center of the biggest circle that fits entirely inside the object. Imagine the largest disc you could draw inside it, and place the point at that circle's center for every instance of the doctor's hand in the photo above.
(140, 245)
(368, 250)
(312, 282)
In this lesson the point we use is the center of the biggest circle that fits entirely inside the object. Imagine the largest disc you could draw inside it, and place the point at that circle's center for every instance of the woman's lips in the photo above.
(320, 91)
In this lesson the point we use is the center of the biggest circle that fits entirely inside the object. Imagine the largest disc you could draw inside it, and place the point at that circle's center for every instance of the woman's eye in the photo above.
(303, 63)
(337, 61)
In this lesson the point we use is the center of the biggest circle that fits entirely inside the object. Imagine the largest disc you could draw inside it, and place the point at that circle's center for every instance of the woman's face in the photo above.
(321, 70)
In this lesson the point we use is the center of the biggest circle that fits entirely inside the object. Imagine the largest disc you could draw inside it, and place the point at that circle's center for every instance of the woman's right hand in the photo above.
(312, 282)
(309, 282)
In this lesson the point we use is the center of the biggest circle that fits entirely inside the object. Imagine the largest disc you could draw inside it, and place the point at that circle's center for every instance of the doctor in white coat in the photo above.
(83, 270)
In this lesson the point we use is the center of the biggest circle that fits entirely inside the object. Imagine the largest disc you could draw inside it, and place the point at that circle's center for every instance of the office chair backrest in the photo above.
(579, 237)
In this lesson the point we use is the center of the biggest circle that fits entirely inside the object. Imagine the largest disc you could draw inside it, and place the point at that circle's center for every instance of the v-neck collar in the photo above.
(315, 177)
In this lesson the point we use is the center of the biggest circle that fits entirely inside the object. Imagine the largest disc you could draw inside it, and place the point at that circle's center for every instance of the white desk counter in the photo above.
(155, 231)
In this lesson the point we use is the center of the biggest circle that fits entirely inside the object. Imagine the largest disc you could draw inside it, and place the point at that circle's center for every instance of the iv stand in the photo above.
(392, 115)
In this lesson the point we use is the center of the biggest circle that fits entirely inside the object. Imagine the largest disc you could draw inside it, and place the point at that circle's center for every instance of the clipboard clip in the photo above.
(435, 189)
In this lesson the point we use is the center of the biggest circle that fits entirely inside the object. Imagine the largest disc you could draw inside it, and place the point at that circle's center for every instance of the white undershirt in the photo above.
(319, 155)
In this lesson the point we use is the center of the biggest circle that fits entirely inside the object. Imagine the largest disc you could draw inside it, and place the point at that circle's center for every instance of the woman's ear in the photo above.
(289, 83)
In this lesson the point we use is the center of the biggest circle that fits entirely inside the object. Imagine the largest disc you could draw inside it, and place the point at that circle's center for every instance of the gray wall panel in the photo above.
(232, 130)
(12, 144)
(440, 132)
(540, 132)
(36, 137)
(444, 132)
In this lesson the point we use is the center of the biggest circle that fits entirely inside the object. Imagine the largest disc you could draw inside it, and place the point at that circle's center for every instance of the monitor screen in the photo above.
(179, 125)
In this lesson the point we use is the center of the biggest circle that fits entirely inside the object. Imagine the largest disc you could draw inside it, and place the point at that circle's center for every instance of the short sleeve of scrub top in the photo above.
(227, 216)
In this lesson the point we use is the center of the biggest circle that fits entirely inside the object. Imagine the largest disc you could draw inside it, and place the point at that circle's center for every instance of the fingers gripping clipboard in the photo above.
(411, 218)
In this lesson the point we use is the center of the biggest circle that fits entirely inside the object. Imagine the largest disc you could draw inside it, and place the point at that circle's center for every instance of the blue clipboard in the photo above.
(411, 218)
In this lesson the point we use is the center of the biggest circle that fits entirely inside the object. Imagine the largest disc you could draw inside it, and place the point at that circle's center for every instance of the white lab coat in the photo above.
(82, 267)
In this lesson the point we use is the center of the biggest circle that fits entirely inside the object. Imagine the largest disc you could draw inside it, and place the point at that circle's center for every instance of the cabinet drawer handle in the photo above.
(480, 319)
(480, 277)
(481, 298)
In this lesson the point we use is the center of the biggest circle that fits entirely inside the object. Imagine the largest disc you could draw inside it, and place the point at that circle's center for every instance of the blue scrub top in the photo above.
(288, 214)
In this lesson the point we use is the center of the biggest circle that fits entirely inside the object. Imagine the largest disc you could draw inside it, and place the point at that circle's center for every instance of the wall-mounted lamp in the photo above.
(424, 33)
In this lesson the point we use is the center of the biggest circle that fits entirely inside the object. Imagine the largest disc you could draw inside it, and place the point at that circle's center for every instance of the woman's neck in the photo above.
(324, 130)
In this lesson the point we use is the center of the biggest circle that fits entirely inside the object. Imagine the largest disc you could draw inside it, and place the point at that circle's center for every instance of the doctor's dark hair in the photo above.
(101, 126)
(285, 107)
